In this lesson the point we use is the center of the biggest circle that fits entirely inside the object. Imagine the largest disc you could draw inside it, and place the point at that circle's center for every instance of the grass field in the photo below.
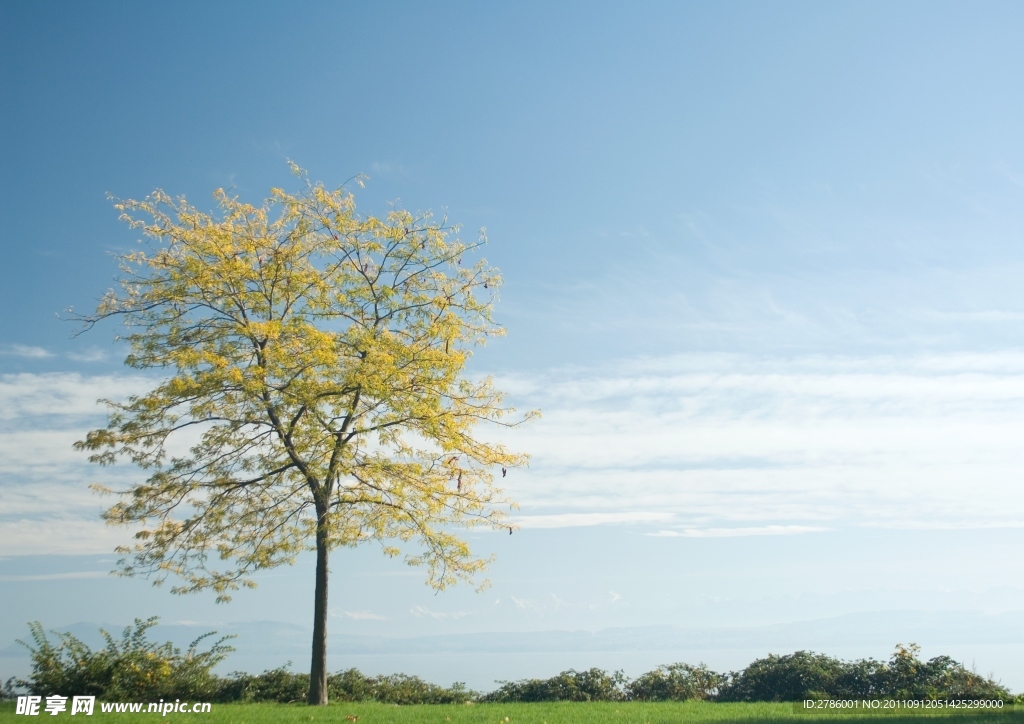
(549, 713)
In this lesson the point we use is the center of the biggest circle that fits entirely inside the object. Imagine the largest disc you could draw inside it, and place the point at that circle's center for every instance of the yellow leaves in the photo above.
(320, 356)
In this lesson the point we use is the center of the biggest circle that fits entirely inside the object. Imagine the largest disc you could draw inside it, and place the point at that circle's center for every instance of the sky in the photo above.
(761, 270)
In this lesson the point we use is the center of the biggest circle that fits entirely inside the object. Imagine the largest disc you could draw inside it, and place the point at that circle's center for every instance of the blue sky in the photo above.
(762, 270)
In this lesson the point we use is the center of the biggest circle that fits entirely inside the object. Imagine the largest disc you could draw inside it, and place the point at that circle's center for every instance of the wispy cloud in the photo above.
(59, 535)
(424, 612)
(554, 604)
(725, 445)
(90, 355)
(984, 315)
(389, 169)
(62, 395)
(55, 576)
(27, 351)
(576, 520)
(358, 615)
(695, 446)
(738, 532)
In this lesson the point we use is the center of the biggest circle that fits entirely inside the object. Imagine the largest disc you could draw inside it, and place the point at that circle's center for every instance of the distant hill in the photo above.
(282, 641)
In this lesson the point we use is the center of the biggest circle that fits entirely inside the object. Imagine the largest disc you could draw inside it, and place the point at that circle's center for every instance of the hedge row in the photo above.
(136, 669)
(795, 677)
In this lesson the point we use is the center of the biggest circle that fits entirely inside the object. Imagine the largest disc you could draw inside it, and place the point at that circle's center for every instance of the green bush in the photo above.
(907, 677)
(676, 682)
(793, 677)
(9, 690)
(278, 685)
(591, 685)
(399, 689)
(136, 669)
(132, 669)
(806, 675)
(283, 686)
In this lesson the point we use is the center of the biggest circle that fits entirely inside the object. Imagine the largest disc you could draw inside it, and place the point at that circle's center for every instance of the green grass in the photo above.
(546, 713)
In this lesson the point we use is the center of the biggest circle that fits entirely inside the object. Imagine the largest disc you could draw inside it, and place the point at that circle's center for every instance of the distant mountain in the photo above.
(280, 642)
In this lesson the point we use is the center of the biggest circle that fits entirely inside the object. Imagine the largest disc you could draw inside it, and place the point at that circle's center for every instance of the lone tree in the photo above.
(316, 362)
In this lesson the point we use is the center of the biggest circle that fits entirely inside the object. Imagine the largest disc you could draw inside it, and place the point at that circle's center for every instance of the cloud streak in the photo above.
(692, 446)
(725, 445)
(738, 532)
(577, 520)
(359, 615)
(74, 575)
(27, 351)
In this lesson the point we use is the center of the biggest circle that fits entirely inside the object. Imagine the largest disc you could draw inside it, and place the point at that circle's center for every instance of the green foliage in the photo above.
(283, 686)
(784, 678)
(279, 685)
(136, 669)
(133, 668)
(10, 689)
(907, 677)
(591, 685)
(806, 675)
(397, 689)
(676, 682)
(560, 712)
(794, 677)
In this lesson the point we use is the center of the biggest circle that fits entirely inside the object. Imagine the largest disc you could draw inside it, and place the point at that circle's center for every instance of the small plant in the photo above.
(9, 690)
(132, 669)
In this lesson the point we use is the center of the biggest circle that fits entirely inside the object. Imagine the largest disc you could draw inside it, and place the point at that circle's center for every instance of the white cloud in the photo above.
(358, 615)
(720, 444)
(424, 612)
(93, 354)
(695, 445)
(738, 532)
(64, 395)
(576, 520)
(56, 576)
(553, 604)
(28, 351)
(389, 169)
(59, 536)
(525, 604)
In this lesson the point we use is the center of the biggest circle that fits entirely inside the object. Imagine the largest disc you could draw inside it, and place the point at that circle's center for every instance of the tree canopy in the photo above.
(315, 397)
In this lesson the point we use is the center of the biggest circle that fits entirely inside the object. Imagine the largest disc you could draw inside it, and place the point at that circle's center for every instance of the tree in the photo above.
(317, 374)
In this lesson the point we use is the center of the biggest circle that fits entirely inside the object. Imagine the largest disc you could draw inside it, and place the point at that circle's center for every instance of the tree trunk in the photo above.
(318, 668)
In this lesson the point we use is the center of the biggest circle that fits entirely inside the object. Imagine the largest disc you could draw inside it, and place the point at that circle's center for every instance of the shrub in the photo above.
(136, 669)
(907, 677)
(283, 686)
(676, 682)
(400, 689)
(9, 689)
(784, 678)
(132, 669)
(591, 685)
(806, 675)
(279, 685)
